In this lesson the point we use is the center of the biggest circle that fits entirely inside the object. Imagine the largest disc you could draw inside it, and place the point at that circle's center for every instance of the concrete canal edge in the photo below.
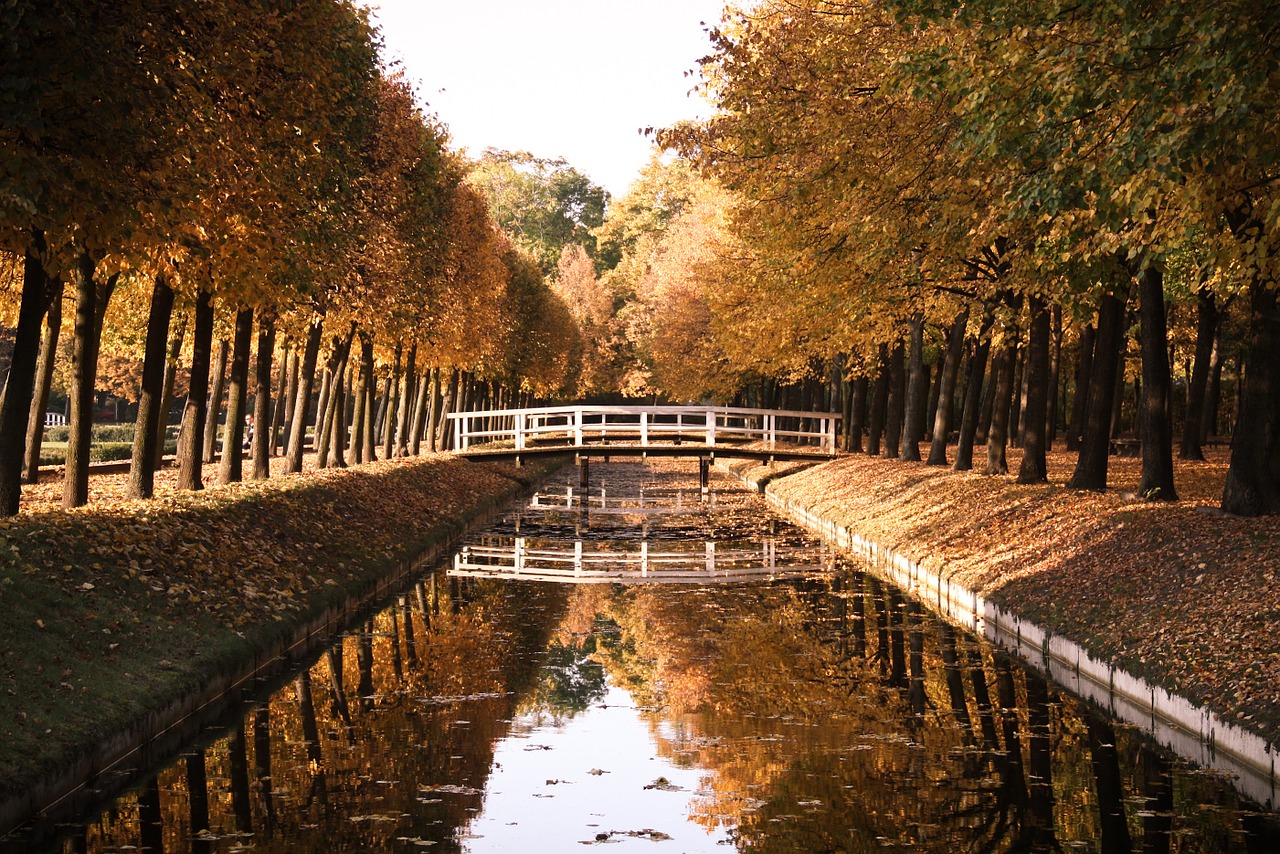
(110, 764)
(1190, 731)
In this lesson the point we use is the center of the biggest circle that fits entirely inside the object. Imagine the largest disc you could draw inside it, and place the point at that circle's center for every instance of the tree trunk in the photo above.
(1034, 468)
(231, 469)
(1155, 427)
(359, 418)
(1213, 391)
(1253, 478)
(282, 424)
(879, 403)
(1055, 379)
(146, 433)
(378, 402)
(896, 405)
(988, 398)
(302, 399)
(445, 436)
(191, 433)
(403, 411)
(947, 389)
(1095, 440)
(1002, 385)
(1084, 368)
(393, 397)
(91, 307)
(170, 378)
(1117, 414)
(1206, 327)
(214, 410)
(15, 402)
(370, 390)
(262, 415)
(433, 416)
(972, 411)
(320, 435)
(1019, 395)
(935, 394)
(43, 381)
(857, 414)
(421, 401)
(337, 420)
(324, 427)
(466, 392)
(917, 395)
(330, 415)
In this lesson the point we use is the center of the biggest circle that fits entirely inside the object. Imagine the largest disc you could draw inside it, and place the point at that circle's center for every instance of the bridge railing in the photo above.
(581, 425)
(652, 501)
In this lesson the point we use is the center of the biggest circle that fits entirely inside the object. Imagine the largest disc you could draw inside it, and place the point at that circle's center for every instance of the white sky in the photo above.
(558, 78)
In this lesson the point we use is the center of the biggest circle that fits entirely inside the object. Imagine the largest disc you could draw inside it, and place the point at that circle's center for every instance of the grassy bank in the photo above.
(115, 610)
(1176, 593)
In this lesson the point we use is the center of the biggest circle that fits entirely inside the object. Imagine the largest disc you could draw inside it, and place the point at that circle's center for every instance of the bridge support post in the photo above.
(704, 475)
(584, 472)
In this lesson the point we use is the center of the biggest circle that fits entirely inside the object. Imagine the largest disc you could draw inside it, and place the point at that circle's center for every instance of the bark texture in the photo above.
(1095, 439)
(146, 436)
(1155, 427)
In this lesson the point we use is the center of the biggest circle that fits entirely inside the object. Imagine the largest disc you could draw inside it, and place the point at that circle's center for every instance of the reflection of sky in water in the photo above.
(523, 812)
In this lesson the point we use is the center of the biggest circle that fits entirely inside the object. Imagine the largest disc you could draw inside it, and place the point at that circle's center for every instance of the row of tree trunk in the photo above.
(1001, 387)
(341, 403)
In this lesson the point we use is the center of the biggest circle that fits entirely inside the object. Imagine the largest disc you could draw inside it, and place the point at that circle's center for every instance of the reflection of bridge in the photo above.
(646, 502)
(644, 565)
(686, 431)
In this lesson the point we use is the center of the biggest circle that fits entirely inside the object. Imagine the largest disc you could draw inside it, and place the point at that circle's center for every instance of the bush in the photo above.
(101, 433)
(102, 452)
(113, 433)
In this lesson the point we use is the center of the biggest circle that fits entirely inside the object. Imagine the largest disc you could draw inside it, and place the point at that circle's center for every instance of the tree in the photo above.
(544, 204)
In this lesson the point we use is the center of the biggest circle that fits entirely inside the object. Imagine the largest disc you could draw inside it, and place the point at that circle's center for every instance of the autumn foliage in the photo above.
(251, 175)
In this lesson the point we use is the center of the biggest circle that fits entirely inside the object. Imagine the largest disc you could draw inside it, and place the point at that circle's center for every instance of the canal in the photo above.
(638, 663)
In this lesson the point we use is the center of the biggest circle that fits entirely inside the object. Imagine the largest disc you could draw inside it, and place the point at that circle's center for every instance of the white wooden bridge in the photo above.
(642, 563)
(646, 430)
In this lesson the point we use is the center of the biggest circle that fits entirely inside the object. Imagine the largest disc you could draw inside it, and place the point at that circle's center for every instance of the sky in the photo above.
(558, 78)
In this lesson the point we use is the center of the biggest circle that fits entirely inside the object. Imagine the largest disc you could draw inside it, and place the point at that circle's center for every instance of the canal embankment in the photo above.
(127, 626)
(1165, 613)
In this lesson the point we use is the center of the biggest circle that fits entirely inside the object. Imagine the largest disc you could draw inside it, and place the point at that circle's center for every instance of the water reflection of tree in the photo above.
(571, 680)
(846, 719)
(344, 756)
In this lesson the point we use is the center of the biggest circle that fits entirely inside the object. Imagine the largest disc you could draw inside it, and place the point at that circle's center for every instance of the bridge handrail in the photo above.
(581, 422)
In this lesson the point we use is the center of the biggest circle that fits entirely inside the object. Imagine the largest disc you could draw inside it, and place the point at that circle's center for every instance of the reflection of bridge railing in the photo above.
(644, 565)
(706, 426)
(660, 501)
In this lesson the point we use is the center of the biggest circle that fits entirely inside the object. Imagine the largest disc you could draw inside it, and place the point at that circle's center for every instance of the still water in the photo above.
(792, 704)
